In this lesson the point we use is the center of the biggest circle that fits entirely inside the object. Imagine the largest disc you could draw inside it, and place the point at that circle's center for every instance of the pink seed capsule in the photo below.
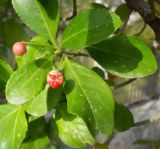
(55, 79)
(19, 48)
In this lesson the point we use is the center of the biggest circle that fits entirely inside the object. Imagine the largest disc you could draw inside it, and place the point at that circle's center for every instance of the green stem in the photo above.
(61, 61)
(150, 120)
(34, 43)
(76, 54)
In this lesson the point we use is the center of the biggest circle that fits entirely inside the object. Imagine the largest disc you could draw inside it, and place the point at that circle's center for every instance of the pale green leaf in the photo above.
(13, 126)
(39, 143)
(27, 81)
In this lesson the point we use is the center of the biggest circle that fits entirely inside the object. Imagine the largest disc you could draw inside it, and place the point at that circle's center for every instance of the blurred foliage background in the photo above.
(12, 30)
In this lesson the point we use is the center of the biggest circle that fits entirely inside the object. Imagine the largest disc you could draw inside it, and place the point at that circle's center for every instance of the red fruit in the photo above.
(19, 48)
(55, 78)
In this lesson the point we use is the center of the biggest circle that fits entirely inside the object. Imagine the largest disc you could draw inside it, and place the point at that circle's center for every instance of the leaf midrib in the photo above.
(82, 90)
(7, 115)
(43, 18)
(20, 90)
(83, 30)
(14, 128)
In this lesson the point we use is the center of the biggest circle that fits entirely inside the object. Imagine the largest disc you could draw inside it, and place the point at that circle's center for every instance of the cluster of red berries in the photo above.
(54, 77)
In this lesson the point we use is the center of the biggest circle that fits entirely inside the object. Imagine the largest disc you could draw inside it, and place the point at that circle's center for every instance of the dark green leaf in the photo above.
(5, 71)
(101, 146)
(72, 130)
(3, 5)
(41, 16)
(36, 128)
(123, 11)
(2, 85)
(27, 81)
(97, 5)
(13, 126)
(123, 118)
(90, 27)
(11, 31)
(89, 97)
(124, 56)
(52, 132)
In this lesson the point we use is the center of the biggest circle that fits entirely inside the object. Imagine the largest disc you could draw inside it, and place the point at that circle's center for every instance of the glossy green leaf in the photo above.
(41, 16)
(11, 31)
(40, 143)
(34, 52)
(72, 130)
(123, 118)
(2, 85)
(124, 56)
(44, 101)
(13, 126)
(5, 71)
(89, 97)
(27, 81)
(90, 27)
(101, 146)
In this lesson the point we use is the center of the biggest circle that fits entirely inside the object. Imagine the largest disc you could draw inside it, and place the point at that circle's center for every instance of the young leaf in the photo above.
(72, 130)
(123, 118)
(124, 56)
(41, 16)
(27, 81)
(34, 51)
(13, 126)
(44, 101)
(6, 71)
(89, 97)
(90, 27)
